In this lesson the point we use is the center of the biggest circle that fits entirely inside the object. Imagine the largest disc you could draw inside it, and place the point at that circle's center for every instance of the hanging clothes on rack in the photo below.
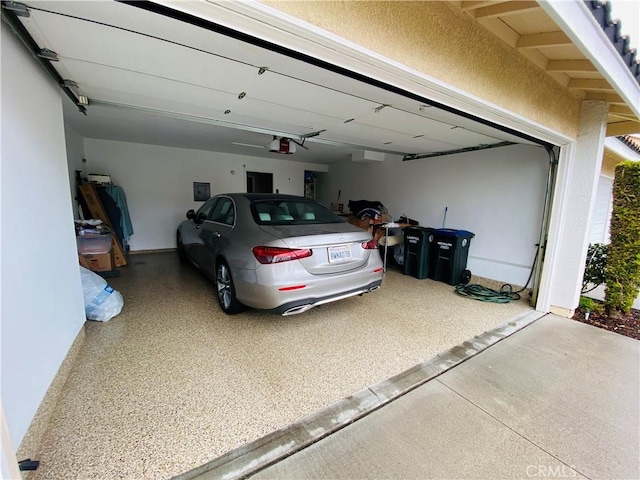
(120, 199)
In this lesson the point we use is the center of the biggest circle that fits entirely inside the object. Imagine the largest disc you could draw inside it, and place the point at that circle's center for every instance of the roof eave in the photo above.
(618, 147)
(577, 22)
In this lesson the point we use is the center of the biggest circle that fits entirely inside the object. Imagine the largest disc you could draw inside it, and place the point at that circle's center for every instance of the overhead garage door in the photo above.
(166, 78)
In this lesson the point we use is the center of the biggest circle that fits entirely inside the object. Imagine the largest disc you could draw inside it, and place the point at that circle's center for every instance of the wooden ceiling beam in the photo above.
(472, 5)
(590, 84)
(548, 39)
(611, 98)
(575, 66)
(622, 128)
(505, 9)
(621, 110)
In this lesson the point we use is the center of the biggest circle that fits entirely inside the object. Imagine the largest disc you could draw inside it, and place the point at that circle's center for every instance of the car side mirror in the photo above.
(191, 214)
(201, 217)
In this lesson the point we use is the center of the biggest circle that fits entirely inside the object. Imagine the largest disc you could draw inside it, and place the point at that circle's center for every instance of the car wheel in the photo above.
(226, 290)
(181, 255)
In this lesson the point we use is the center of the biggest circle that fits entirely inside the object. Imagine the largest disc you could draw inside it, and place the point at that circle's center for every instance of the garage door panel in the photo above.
(415, 125)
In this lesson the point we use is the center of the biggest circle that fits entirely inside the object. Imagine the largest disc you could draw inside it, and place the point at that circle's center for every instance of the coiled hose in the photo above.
(485, 294)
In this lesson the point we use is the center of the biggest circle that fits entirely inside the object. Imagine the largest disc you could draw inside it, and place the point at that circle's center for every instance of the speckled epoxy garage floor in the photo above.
(172, 383)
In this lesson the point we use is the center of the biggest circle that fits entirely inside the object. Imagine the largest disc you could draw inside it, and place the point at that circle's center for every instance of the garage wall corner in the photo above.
(42, 307)
(574, 198)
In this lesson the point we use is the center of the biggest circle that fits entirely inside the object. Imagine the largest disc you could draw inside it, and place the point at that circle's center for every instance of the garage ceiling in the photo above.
(154, 79)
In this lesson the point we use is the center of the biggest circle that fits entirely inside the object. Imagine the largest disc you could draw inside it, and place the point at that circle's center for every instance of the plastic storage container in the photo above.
(94, 243)
(449, 253)
(417, 242)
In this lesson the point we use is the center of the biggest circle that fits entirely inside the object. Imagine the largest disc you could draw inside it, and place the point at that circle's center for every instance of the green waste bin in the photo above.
(416, 251)
(449, 253)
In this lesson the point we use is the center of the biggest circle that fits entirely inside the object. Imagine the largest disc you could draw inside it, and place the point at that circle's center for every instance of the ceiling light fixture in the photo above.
(83, 100)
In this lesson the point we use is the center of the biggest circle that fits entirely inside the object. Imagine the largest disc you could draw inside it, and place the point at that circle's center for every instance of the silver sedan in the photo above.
(282, 253)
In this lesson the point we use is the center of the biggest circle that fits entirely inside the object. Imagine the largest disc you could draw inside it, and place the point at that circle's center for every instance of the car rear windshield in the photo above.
(291, 212)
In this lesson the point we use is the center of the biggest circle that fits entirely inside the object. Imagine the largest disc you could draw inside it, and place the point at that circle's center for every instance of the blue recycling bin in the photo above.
(449, 253)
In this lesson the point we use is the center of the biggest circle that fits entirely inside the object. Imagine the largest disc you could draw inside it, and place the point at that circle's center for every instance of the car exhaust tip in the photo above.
(308, 306)
(298, 309)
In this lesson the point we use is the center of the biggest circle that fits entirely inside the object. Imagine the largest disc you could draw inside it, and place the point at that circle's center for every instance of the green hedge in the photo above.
(623, 260)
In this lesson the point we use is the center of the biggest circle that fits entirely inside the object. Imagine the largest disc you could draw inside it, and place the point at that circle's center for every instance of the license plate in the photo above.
(341, 253)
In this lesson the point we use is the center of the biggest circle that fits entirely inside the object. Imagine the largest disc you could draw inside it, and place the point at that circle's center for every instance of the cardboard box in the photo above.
(97, 262)
(366, 223)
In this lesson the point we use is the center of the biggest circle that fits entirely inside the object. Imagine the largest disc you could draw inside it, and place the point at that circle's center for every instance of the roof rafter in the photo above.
(547, 39)
(621, 111)
(612, 98)
(472, 5)
(577, 66)
(505, 9)
(622, 128)
(590, 84)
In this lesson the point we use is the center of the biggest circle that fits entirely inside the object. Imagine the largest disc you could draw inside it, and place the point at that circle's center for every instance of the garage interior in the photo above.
(168, 104)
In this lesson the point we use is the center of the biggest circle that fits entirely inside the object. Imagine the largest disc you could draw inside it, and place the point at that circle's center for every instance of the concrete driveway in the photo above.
(557, 399)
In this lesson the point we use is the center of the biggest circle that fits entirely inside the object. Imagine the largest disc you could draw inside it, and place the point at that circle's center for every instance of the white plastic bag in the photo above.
(101, 301)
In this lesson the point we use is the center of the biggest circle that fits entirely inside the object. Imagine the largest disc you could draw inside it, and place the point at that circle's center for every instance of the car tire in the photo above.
(181, 254)
(226, 291)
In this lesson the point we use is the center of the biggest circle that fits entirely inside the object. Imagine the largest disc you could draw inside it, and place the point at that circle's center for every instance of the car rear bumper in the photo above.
(300, 306)
(282, 287)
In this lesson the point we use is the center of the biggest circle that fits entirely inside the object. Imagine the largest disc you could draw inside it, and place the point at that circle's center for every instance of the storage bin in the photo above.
(417, 243)
(449, 255)
(94, 243)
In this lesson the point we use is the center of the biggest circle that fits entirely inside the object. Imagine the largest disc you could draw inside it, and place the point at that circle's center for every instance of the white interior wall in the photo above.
(158, 182)
(42, 305)
(75, 153)
(497, 194)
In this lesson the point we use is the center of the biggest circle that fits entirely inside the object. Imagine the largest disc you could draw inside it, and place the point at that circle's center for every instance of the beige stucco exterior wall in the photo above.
(609, 162)
(443, 42)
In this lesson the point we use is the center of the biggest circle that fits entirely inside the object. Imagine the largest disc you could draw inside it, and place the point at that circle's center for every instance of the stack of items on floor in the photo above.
(114, 205)
(365, 214)
(95, 243)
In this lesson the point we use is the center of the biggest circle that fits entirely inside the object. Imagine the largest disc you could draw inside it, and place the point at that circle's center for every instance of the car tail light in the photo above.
(370, 245)
(266, 255)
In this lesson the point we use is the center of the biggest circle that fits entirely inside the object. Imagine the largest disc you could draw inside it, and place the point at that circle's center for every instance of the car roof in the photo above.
(252, 197)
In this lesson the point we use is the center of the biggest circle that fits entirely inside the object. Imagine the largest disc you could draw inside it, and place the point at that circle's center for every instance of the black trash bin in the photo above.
(449, 253)
(416, 251)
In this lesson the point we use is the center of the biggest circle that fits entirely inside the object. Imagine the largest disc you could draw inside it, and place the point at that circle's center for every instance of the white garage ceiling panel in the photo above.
(155, 65)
